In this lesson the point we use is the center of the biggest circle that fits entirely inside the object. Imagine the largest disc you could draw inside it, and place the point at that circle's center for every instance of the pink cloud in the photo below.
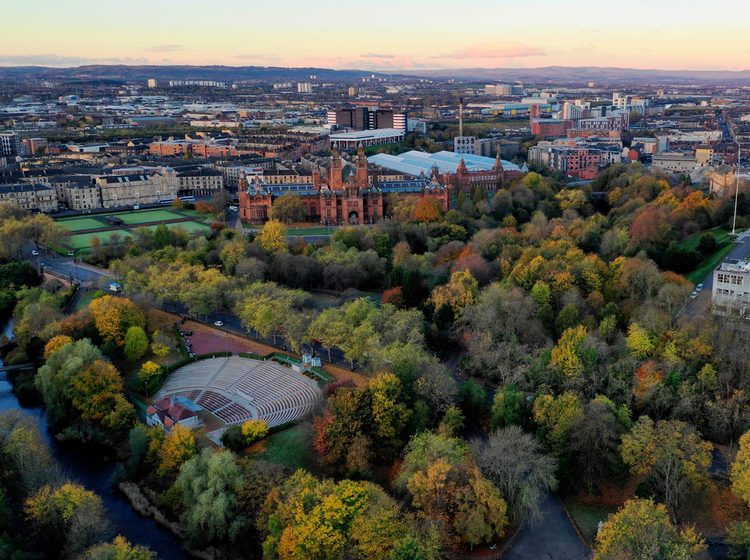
(486, 50)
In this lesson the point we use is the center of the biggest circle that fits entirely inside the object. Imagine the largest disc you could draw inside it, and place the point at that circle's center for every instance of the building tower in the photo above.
(335, 171)
(362, 175)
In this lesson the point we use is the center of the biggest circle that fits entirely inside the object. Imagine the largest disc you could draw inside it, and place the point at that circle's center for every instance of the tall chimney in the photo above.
(461, 116)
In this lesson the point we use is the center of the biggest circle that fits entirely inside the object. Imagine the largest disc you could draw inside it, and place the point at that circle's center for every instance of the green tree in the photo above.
(136, 343)
(207, 483)
(288, 208)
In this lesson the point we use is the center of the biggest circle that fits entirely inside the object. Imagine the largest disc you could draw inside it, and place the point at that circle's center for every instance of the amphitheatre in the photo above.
(234, 389)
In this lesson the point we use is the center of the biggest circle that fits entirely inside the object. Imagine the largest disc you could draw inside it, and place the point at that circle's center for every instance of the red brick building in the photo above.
(360, 199)
(491, 181)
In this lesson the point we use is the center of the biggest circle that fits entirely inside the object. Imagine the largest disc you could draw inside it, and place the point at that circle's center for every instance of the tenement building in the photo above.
(359, 199)
(30, 196)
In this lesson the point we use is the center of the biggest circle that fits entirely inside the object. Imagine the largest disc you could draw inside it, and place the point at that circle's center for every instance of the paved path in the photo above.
(552, 538)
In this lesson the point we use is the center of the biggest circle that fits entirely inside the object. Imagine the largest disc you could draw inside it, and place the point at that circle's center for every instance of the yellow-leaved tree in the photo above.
(272, 237)
(177, 447)
(740, 471)
(641, 529)
(462, 290)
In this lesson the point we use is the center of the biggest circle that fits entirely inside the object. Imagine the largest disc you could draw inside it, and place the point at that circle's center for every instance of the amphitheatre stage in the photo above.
(235, 389)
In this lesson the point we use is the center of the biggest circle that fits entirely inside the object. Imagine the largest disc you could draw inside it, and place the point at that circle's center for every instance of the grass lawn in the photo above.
(78, 224)
(190, 226)
(148, 216)
(88, 297)
(83, 240)
(294, 232)
(724, 240)
(292, 447)
(587, 517)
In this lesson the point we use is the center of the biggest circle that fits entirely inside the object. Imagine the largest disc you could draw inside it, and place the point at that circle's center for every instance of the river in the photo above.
(97, 476)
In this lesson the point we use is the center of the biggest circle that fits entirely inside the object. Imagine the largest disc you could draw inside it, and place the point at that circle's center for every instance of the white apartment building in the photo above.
(731, 289)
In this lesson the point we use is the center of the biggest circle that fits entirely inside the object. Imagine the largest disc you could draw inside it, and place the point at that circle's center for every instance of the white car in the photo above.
(699, 287)
(219, 323)
(693, 295)
(35, 253)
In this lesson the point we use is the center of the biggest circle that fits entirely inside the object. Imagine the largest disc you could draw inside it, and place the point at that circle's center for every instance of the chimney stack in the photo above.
(461, 116)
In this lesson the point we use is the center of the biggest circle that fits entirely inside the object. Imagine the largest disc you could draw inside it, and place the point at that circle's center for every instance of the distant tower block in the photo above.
(152, 83)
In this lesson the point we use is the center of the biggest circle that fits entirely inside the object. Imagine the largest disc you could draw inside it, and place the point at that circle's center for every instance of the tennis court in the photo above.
(83, 240)
(80, 224)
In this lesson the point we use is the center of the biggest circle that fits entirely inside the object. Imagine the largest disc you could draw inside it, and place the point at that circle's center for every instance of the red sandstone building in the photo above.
(360, 199)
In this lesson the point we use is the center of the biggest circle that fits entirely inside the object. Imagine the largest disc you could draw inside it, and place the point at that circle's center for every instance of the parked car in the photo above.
(219, 323)
(693, 295)
(35, 252)
(699, 287)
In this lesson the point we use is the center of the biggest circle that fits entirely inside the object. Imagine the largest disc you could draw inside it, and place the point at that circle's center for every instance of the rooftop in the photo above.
(416, 163)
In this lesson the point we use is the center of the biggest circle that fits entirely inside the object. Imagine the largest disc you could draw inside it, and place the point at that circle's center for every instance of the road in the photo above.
(741, 251)
(552, 538)
(94, 276)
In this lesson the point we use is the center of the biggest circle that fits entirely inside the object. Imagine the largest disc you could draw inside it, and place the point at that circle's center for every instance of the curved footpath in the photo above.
(553, 537)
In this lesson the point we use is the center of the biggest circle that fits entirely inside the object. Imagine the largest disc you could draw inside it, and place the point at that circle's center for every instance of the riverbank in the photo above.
(98, 476)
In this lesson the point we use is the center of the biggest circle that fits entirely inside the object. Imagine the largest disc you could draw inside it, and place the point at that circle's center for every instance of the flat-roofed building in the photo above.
(730, 293)
(352, 140)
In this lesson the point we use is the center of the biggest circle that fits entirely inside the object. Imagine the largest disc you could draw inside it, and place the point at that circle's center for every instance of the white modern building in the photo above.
(731, 289)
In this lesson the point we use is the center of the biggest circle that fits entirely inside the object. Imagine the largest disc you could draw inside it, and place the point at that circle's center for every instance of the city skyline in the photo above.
(398, 36)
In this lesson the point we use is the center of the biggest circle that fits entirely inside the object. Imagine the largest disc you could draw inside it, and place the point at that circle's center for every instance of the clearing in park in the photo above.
(227, 391)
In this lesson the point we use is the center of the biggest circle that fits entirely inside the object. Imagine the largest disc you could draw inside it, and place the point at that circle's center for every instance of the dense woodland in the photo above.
(539, 340)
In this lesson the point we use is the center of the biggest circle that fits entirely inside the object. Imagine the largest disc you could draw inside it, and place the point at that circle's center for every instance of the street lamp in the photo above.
(736, 190)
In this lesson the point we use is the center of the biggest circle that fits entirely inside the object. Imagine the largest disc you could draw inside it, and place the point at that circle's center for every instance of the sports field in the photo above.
(80, 224)
(97, 225)
(190, 227)
(149, 216)
(83, 240)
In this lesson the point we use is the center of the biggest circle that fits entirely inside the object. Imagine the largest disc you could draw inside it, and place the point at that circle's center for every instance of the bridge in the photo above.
(4, 369)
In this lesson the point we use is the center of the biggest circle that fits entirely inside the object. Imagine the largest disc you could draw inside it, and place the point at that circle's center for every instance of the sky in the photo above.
(379, 34)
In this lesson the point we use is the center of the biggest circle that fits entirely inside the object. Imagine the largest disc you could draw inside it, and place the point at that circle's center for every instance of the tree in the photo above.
(207, 483)
(671, 454)
(55, 343)
(113, 316)
(739, 473)
(707, 245)
(388, 411)
(570, 357)
(96, 394)
(272, 237)
(473, 399)
(67, 518)
(178, 447)
(254, 430)
(595, 438)
(556, 417)
(322, 520)
(639, 341)
(516, 463)
(448, 488)
(136, 343)
(460, 292)
(427, 210)
(288, 208)
(118, 549)
(507, 407)
(641, 530)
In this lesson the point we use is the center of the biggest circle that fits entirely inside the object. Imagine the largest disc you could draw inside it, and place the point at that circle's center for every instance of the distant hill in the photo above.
(583, 74)
(550, 74)
(124, 73)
